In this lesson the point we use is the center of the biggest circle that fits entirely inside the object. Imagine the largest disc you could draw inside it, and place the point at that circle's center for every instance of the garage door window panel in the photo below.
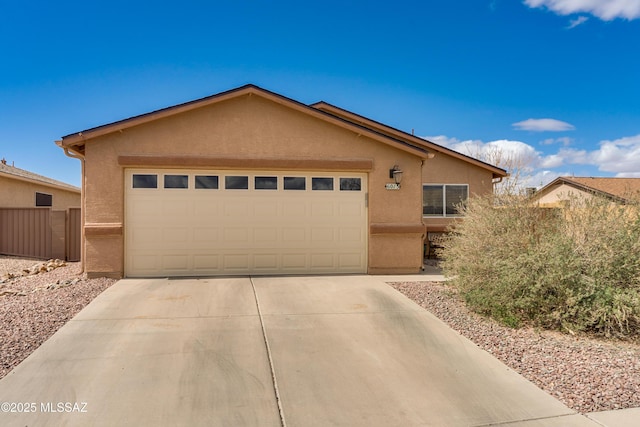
(295, 183)
(350, 184)
(266, 182)
(322, 184)
(206, 182)
(145, 181)
(236, 182)
(176, 181)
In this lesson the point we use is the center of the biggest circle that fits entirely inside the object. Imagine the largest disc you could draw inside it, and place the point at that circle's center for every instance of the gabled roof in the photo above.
(618, 189)
(388, 130)
(13, 172)
(75, 142)
(362, 126)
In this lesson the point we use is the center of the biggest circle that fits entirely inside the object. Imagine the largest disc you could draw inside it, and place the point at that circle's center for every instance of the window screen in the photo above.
(44, 199)
(432, 200)
(455, 195)
(443, 200)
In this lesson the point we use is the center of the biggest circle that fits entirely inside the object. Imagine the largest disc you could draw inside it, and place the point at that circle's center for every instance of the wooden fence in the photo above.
(40, 233)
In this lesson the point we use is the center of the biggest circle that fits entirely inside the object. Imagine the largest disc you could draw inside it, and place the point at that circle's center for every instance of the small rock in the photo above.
(11, 292)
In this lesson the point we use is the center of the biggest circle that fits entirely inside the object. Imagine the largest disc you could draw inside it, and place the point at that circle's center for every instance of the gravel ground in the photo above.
(30, 312)
(586, 374)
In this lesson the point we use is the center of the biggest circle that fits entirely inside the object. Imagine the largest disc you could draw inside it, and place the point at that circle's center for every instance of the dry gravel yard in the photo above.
(34, 307)
(588, 375)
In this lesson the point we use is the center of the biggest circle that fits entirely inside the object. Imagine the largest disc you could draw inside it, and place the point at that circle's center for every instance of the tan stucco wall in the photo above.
(443, 169)
(16, 193)
(254, 127)
(556, 196)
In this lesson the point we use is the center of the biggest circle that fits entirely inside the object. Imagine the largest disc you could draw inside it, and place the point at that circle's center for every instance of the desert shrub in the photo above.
(573, 269)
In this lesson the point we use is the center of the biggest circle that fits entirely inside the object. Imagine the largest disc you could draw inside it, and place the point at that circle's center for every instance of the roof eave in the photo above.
(69, 188)
(76, 141)
(579, 186)
(428, 145)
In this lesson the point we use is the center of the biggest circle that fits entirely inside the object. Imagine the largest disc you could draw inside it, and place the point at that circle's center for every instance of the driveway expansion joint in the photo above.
(269, 356)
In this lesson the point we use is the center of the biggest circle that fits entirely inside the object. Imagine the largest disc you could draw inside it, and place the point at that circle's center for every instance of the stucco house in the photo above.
(39, 216)
(562, 189)
(23, 189)
(251, 182)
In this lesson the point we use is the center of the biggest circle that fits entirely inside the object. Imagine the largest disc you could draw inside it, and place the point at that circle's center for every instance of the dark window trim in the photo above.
(44, 199)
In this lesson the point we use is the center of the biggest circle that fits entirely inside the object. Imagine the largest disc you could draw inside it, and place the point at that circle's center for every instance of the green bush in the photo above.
(575, 269)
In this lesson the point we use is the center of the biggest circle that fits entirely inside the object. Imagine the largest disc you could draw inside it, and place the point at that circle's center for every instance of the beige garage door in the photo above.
(198, 223)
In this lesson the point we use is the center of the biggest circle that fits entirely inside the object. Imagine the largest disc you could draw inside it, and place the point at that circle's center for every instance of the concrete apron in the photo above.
(267, 351)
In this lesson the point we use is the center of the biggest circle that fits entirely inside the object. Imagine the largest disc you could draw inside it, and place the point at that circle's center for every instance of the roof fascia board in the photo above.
(399, 143)
(324, 106)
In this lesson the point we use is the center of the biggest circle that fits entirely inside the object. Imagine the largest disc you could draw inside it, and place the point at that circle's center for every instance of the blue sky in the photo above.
(554, 82)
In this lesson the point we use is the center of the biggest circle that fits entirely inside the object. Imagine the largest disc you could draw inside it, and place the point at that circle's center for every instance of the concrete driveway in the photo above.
(267, 351)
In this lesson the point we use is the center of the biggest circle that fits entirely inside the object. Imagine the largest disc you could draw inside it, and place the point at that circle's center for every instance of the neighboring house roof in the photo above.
(619, 189)
(13, 172)
(377, 131)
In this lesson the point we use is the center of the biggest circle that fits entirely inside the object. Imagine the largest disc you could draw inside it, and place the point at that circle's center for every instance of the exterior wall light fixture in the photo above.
(396, 174)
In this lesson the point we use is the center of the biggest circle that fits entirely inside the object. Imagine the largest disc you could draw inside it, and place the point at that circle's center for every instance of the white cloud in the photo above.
(565, 141)
(575, 22)
(502, 153)
(603, 9)
(540, 178)
(552, 161)
(543, 125)
(580, 157)
(619, 157)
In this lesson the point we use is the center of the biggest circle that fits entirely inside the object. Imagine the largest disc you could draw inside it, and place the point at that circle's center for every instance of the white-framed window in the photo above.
(442, 200)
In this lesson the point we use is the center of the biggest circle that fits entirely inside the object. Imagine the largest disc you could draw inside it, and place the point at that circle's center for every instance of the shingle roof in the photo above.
(617, 188)
(13, 171)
